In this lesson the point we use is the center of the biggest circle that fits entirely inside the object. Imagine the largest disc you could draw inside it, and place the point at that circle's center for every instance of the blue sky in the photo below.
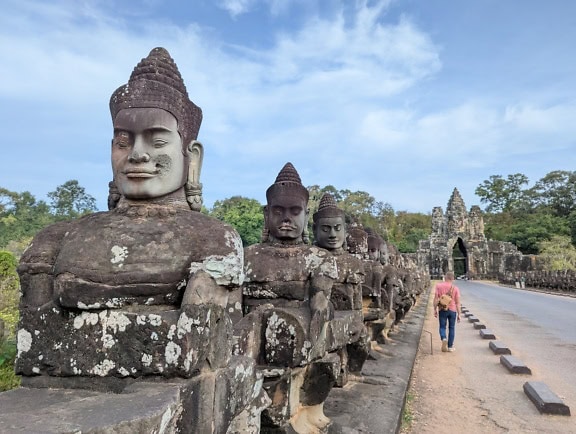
(403, 99)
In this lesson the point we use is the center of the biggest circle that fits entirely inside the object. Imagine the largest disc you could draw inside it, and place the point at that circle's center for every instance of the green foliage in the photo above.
(498, 226)
(533, 229)
(529, 216)
(409, 243)
(503, 194)
(70, 201)
(7, 351)
(558, 253)
(8, 265)
(572, 225)
(407, 411)
(21, 216)
(9, 291)
(245, 215)
(357, 205)
(8, 379)
(556, 191)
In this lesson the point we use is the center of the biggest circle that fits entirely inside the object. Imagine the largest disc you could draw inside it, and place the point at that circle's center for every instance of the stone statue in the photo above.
(141, 291)
(287, 290)
(329, 227)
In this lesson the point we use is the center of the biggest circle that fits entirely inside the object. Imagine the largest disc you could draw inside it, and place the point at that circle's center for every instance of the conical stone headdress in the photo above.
(287, 183)
(357, 239)
(157, 83)
(374, 240)
(327, 208)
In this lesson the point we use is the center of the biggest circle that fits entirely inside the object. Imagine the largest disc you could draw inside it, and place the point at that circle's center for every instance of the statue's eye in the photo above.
(160, 143)
(121, 139)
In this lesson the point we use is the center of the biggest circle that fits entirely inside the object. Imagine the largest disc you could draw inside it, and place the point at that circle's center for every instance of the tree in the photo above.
(21, 216)
(410, 228)
(557, 191)
(498, 226)
(558, 253)
(245, 215)
(535, 228)
(70, 200)
(9, 291)
(503, 194)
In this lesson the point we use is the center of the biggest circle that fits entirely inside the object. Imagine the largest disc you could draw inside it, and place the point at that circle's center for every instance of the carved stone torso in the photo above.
(281, 274)
(347, 290)
(134, 255)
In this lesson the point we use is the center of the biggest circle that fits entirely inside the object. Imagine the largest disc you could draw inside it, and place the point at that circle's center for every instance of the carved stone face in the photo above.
(330, 232)
(374, 253)
(286, 217)
(147, 156)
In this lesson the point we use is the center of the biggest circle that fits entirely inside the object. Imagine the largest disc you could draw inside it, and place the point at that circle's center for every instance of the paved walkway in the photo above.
(374, 405)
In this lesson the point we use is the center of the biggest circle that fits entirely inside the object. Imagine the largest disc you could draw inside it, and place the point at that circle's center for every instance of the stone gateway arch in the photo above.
(458, 244)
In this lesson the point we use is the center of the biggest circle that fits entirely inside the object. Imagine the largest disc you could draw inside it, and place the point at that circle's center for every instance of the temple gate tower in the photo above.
(458, 244)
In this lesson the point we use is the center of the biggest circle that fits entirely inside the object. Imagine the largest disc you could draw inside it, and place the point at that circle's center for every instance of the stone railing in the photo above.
(562, 281)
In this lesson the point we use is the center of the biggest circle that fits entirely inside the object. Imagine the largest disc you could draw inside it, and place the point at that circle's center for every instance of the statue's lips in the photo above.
(139, 173)
(286, 228)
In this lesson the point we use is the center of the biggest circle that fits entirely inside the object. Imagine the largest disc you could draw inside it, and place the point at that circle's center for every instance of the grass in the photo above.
(8, 379)
(407, 416)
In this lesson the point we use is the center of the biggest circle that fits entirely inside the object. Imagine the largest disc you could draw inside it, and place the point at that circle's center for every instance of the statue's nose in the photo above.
(137, 157)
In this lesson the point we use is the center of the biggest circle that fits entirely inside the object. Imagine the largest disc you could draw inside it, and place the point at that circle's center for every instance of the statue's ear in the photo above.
(265, 230)
(196, 155)
(195, 152)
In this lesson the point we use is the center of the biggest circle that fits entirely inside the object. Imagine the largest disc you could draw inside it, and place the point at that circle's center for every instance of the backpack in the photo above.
(445, 300)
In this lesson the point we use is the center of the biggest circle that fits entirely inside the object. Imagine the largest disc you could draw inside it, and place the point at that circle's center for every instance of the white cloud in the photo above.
(338, 94)
(237, 7)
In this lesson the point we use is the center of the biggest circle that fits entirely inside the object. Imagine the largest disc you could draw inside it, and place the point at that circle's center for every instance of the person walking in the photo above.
(450, 315)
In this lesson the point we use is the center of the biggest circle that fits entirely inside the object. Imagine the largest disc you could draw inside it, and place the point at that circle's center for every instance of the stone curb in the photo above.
(544, 399)
(498, 347)
(479, 325)
(515, 365)
(487, 334)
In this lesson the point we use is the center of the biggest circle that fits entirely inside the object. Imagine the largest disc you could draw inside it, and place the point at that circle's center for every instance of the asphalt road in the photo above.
(539, 328)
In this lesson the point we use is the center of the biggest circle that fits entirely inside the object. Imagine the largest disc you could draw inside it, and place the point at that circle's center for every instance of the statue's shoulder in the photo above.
(208, 233)
(46, 244)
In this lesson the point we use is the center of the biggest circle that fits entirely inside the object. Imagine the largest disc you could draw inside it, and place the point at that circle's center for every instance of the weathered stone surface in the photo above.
(479, 325)
(463, 231)
(142, 407)
(515, 365)
(142, 293)
(487, 334)
(266, 281)
(498, 347)
(545, 400)
(473, 319)
(103, 261)
(56, 342)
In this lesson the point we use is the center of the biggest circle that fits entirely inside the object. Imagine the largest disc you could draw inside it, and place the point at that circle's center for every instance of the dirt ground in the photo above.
(469, 390)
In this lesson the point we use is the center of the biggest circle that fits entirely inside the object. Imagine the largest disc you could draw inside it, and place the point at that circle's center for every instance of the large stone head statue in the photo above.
(329, 224)
(374, 244)
(357, 240)
(285, 214)
(154, 149)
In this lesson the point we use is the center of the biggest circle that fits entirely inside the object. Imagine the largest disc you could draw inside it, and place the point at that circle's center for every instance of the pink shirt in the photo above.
(444, 288)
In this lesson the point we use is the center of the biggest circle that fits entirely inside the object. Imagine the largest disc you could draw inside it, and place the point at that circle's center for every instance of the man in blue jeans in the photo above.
(452, 314)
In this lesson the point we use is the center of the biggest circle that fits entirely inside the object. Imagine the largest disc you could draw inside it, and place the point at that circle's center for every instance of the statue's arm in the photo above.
(36, 268)
(214, 276)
